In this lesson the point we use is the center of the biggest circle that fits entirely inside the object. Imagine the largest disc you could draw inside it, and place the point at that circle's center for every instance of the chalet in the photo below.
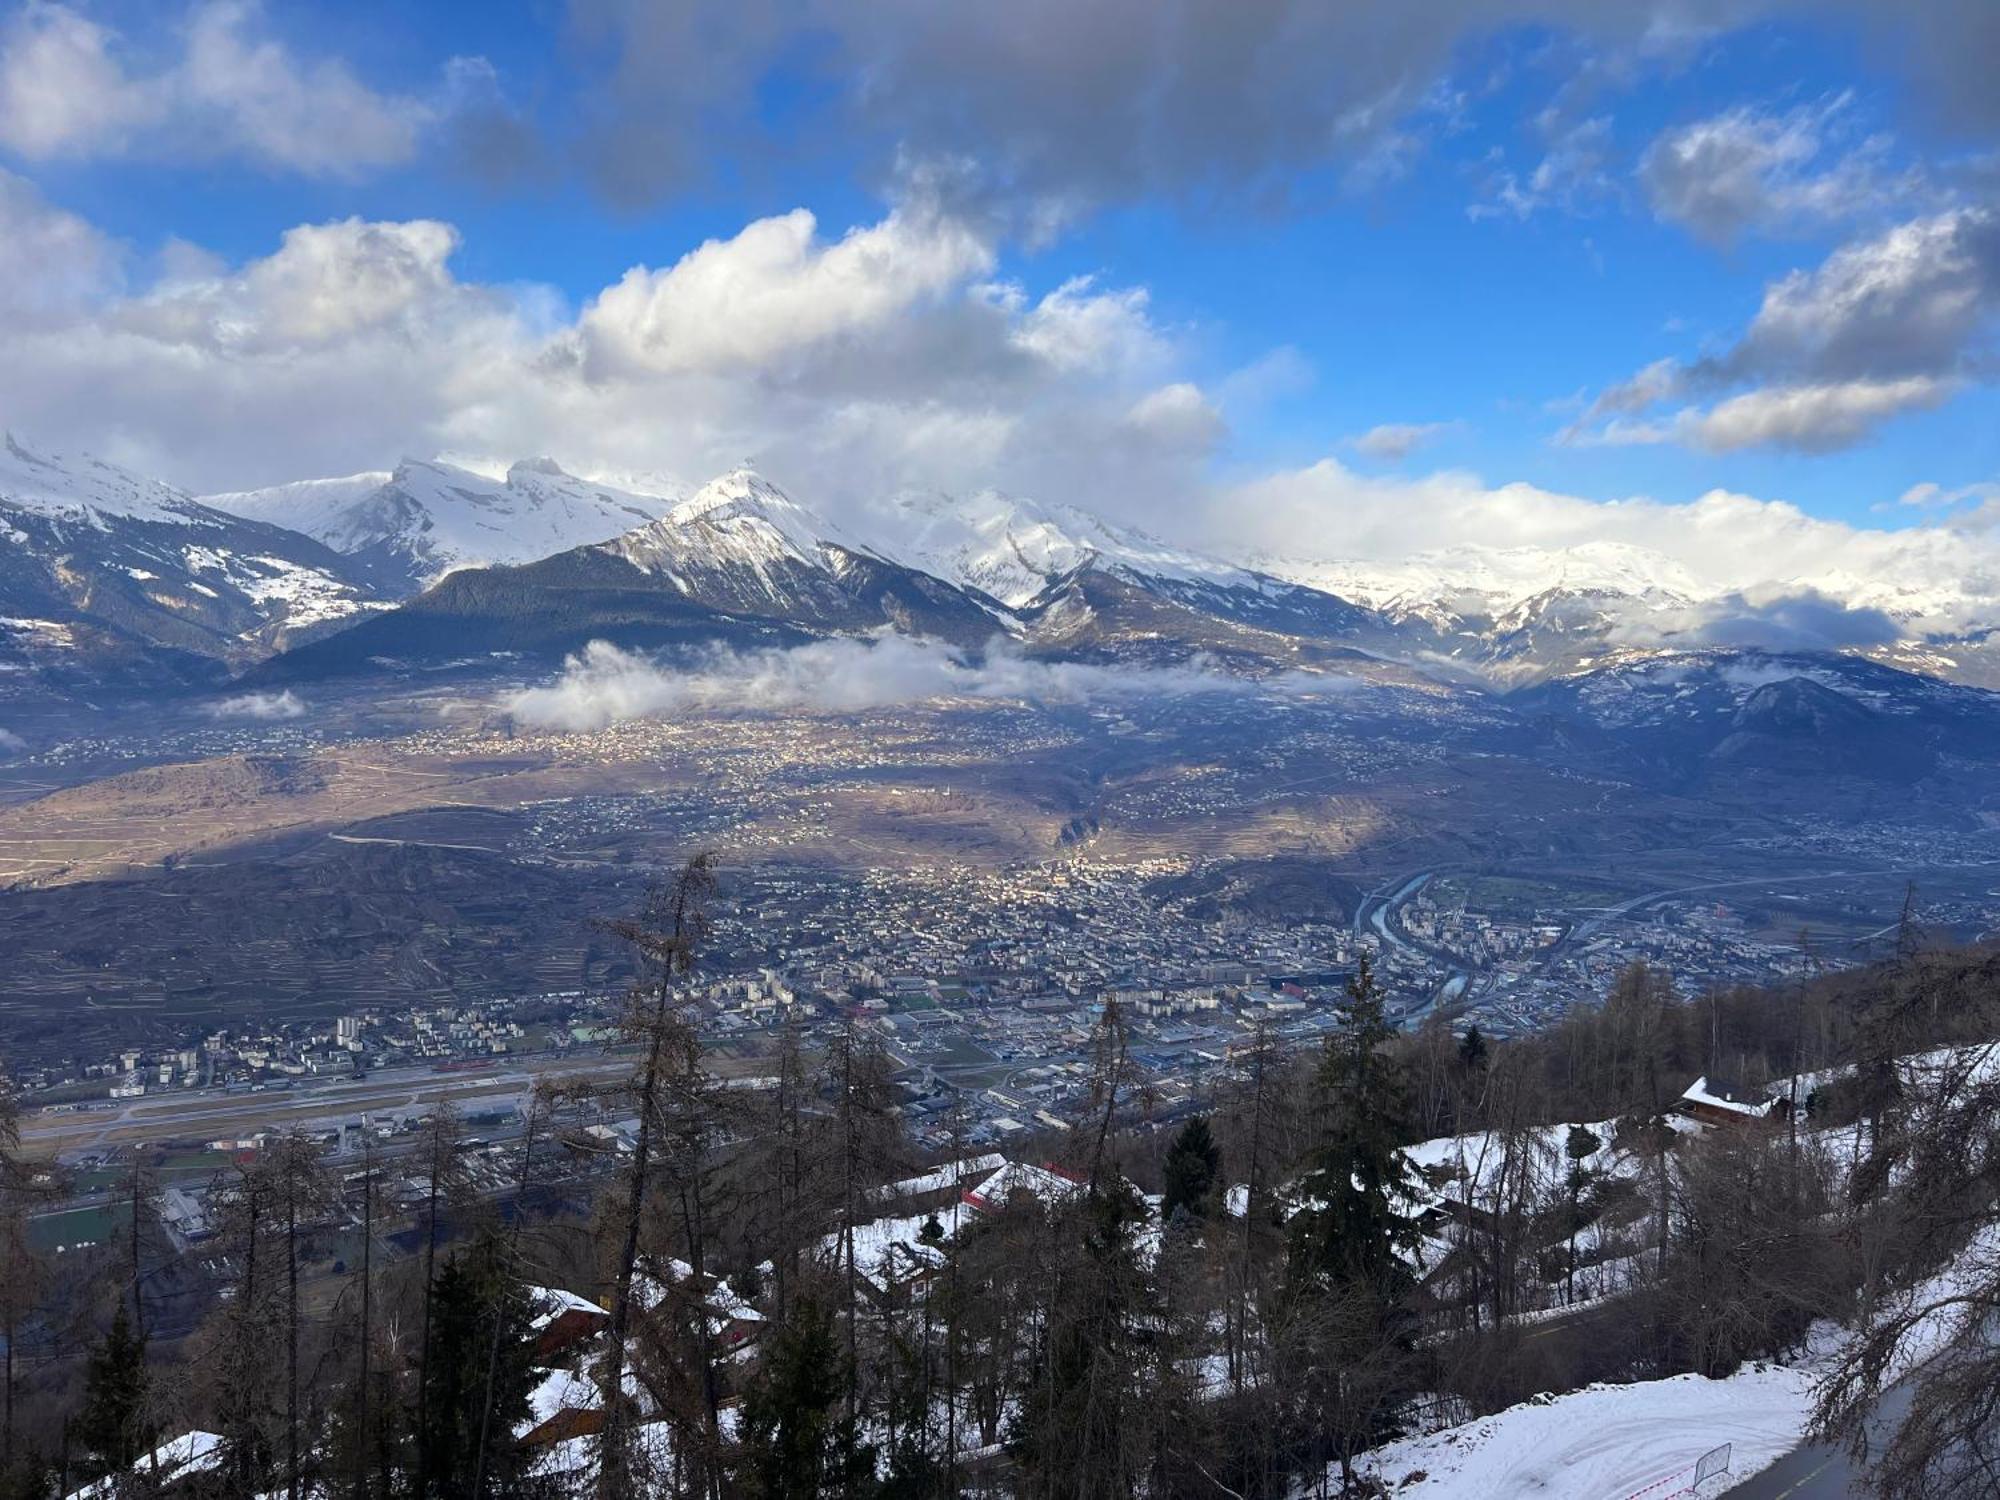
(173, 1468)
(1712, 1100)
(733, 1323)
(1020, 1180)
(563, 1406)
(562, 1322)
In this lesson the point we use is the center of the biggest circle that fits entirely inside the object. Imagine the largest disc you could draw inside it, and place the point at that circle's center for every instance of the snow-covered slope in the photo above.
(739, 563)
(743, 546)
(1080, 583)
(429, 518)
(1607, 1441)
(100, 565)
(314, 506)
(1490, 579)
(741, 527)
(1013, 548)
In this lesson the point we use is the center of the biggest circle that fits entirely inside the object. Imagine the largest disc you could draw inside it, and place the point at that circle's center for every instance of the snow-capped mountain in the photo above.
(1709, 712)
(101, 565)
(1079, 581)
(407, 529)
(743, 546)
(121, 558)
(1014, 549)
(1488, 580)
(739, 562)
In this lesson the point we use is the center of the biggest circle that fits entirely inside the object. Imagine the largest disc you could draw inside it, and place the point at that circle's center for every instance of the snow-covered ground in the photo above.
(1606, 1442)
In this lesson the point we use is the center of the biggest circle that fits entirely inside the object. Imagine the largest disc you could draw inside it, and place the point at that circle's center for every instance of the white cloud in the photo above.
(230, 90)
(1814, 418)
(53, 264)
(1177, 416)
(774, 288)
(1888, 324)
(1931, 496)
(860, 363)
(1720, 543)
(259, 706)
(606, 685)
(1809, 418)
(61, 91)
(326, 284)
(12, 743)
(1077, 328)
(1747, 170)
(1572, 174)
(1395, 441)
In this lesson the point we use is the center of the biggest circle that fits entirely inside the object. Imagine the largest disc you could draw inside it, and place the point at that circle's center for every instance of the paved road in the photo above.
(1818, 1471)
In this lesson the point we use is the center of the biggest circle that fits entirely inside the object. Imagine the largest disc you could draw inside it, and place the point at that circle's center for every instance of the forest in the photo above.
(769, 1294)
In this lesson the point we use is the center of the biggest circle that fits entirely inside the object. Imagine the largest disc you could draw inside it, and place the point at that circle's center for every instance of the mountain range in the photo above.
(113, 580)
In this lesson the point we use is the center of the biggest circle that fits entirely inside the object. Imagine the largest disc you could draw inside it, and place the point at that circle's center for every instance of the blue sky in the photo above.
(1154, 257)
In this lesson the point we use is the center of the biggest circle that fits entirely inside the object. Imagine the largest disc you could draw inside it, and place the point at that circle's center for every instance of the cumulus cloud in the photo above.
(1719, 543)
(605, 685)
(1747, 170)
(12, 743)
(1888, 324)
(741, 303)
(1908, 301)
(265, 707)
(1393, 442)
(231, 90)
(52, 263)
(883, 357)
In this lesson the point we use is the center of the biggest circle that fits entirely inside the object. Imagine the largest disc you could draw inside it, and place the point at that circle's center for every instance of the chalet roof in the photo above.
(1719, 1093)
(551, 1302)
(185, 1456)
(1021, 1177)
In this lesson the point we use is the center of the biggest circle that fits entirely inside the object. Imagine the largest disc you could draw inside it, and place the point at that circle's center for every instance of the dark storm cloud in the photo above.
(1062, 102)
(1065, 101)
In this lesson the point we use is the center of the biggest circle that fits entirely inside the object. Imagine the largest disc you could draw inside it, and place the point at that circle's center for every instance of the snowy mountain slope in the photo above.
(1490, 579)
(743, 546)
(430, 518)
(738, 563)
(313, 506)
(101, 565)
(1692, 716)
(1081, 582)
(1013, 549)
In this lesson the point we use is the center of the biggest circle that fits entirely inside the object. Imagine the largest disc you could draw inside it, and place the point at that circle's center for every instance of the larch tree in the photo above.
(666, 937)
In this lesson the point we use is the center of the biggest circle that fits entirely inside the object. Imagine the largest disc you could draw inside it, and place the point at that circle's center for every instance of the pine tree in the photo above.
(674, 1121)
(1193, 1169)
(473, 1297)
(1354, 1225)
(1082, 1430)
(1472, 1050)
(797, 1441)
(1351, 1327)
(1580, 1145)
(112, 1422)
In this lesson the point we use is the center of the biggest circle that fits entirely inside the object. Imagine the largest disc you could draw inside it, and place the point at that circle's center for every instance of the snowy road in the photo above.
(1820, 1471)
